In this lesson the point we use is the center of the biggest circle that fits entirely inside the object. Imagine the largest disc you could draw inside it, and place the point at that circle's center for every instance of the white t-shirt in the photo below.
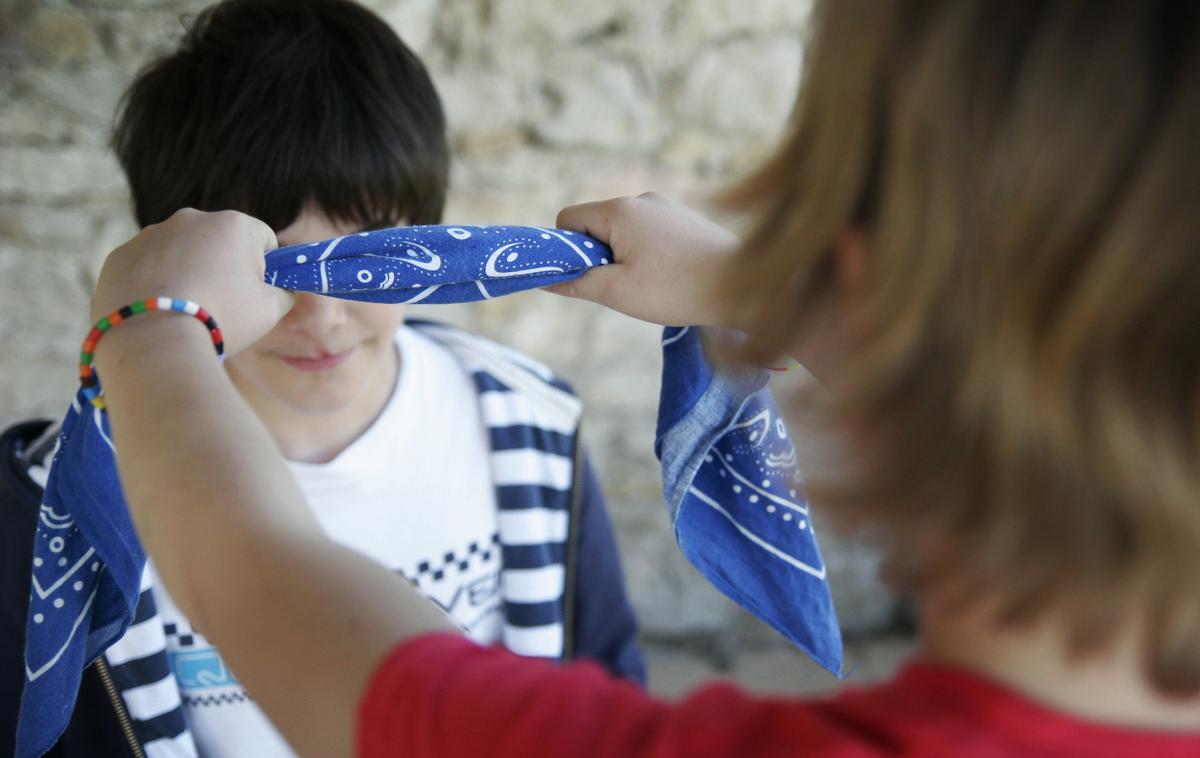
(415, 493)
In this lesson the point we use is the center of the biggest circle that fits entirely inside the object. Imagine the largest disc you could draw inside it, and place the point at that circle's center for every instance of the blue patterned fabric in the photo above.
(713, 428)
(527, 410)
(435, 264)
(732, 491)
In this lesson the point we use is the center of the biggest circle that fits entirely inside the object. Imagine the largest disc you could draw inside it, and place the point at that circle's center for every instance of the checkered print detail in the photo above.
(436, 569)
(229, 698)
(184, 639)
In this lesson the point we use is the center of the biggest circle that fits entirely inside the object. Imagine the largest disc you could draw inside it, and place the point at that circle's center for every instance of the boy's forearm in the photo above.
(234, 541)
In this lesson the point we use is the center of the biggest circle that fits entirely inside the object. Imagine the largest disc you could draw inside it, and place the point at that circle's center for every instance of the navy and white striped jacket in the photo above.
(561, 585)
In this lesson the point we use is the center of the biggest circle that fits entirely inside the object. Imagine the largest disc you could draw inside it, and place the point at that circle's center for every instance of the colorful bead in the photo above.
(90, 383)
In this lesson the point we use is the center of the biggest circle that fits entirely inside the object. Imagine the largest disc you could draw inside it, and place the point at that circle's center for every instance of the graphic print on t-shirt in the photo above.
(465, 584)
(204, 679)
(414, 492)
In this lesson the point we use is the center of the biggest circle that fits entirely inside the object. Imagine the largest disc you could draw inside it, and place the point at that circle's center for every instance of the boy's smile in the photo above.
(322, 362)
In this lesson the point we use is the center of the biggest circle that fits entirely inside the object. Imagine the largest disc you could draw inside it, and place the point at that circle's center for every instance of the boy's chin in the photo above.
(325, 403)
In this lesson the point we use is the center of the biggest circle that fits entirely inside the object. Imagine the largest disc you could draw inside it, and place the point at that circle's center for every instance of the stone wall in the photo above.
(550, 102)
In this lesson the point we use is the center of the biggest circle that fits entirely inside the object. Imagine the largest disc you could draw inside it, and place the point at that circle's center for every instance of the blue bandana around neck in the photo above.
(729, 474)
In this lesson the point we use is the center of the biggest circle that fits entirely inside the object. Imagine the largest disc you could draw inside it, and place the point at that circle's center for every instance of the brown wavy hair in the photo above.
(1019, 411)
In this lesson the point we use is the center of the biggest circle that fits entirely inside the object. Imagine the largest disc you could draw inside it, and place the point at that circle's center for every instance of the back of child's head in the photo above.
(1020, 404)
(269, 106)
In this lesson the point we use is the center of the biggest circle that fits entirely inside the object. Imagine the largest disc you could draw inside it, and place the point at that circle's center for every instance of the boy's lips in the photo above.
(320, 362)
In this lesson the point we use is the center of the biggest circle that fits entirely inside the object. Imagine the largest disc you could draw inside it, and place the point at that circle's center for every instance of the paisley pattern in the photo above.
(435, 264)
(729, 475)
(734, 496)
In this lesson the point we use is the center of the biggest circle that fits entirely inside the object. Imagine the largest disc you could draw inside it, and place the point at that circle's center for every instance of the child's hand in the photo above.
(213, 259)
(668, 261)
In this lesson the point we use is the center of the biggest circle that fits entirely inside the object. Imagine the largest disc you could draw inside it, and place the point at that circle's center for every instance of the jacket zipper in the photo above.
(572, 556)
(37, 455)
(118, 707)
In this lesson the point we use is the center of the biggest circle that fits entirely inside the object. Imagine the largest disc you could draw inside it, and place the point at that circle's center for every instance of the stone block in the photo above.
(744, 89)
(87, 99)
(136, 31)
(39, 346)
(76, 233)
(36, 122)
(60, 37)
(530, 24)
(62, 173)
(413, 20)
(718, 20)
(596, 103)
(672, 600)
(480, 103)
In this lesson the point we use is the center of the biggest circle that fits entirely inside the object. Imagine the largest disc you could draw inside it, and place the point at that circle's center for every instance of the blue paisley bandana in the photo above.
(729, 475)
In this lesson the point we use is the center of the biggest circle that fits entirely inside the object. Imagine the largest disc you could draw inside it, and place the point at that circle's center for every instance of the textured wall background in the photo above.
(550, 102)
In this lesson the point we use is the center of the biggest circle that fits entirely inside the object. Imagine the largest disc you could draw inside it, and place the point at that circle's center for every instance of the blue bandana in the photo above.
(732, 492)
(728, 467)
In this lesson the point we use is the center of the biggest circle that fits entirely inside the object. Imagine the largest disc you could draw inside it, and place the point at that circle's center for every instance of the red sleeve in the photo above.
(443, 696)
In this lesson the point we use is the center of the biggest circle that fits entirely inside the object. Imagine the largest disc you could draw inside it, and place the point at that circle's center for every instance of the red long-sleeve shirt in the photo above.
(443, 696)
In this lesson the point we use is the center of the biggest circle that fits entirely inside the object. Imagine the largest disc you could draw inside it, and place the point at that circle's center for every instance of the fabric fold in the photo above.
(733, 494)
(729, 480)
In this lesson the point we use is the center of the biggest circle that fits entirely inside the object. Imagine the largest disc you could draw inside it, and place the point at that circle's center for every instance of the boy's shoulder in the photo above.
(496, 360)
(513, 388)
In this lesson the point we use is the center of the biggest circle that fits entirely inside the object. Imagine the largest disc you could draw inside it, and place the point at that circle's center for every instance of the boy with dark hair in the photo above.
(449, 459)
(1002, 302)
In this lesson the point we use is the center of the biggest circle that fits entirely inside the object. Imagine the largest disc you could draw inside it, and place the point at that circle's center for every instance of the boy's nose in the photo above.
(315, 315)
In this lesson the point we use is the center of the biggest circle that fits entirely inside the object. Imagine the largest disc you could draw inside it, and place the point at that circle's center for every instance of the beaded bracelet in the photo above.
(87, 374)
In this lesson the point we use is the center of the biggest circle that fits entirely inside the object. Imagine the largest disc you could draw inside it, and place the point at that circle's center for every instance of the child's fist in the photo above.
(668, 261)
(213, 259)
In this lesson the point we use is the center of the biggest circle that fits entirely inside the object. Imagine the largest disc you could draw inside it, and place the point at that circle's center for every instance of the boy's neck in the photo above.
(321, 437)
(1109, 687)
